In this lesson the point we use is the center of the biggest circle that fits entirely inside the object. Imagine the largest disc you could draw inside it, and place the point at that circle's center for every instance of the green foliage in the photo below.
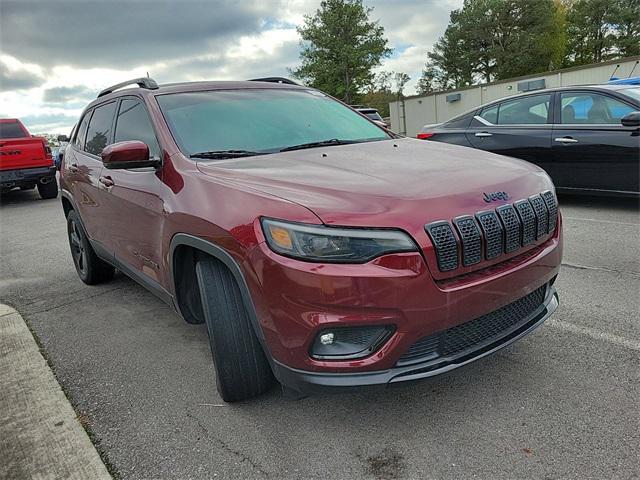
(494, 39)
(489, 40)
(600, 30)
(427, 81)
(340, 49)
(385, 88)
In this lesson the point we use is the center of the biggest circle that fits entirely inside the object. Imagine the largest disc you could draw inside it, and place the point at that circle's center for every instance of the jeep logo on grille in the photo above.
(494, 196)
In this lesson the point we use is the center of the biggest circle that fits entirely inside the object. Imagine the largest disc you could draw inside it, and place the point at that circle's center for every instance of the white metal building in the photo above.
(410, 115)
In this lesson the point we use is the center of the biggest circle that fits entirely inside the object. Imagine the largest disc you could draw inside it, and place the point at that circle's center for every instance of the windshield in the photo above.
(261, 120)
(632, 92)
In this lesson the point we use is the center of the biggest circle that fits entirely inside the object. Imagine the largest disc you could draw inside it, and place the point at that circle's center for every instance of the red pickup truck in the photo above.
(25, 160)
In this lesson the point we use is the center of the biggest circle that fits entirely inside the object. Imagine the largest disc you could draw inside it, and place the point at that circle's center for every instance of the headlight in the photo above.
(315, 243)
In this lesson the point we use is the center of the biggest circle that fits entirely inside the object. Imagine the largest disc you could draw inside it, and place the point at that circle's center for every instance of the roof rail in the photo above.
(274, 80)
(142, 82)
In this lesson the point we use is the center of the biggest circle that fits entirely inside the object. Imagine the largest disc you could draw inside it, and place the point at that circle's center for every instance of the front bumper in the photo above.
(316, 382)
(26, 176)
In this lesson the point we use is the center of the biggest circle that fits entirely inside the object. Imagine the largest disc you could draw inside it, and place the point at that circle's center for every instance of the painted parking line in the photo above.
(595, 334)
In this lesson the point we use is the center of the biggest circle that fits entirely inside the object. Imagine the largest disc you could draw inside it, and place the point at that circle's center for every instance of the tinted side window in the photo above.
(459, 122)
(490, 114)
(528, 110)
(99, 131)
(78, 141)
(592, 108)
(133, 124)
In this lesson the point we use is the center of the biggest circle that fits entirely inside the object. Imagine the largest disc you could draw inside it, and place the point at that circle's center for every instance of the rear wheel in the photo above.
(90, 268)
(241, 366)
(49, 189)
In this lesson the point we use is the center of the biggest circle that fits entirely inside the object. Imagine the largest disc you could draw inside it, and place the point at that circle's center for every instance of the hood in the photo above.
(393, 183)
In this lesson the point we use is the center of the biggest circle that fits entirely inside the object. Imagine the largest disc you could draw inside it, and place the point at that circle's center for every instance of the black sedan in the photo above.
(586, 137)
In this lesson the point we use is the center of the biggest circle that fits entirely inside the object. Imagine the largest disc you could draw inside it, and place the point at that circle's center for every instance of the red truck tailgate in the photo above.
(19, 150)
(23, 153)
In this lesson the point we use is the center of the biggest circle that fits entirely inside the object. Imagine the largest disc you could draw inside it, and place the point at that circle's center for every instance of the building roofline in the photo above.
(525, 77)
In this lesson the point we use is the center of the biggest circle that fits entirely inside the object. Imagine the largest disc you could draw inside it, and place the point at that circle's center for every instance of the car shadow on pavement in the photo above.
(19, 197)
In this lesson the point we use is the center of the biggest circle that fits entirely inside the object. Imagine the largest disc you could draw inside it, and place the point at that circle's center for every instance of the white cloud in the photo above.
(267, 48)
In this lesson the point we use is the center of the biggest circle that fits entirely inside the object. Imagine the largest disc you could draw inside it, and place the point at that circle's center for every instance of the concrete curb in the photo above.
(40, 436)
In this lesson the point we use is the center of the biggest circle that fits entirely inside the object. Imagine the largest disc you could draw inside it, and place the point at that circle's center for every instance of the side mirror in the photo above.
(63, 138)
(129, 154)
(631, 120)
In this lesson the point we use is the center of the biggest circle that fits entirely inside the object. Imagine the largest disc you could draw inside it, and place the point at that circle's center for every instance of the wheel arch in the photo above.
(184, 252)
(67, 202)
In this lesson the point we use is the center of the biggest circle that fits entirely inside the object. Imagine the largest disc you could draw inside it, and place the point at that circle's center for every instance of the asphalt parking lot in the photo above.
(562, 403)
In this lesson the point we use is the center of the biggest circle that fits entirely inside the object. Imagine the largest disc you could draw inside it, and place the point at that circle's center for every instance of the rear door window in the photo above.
(99, 131)
(490, 114)
(591, 108)
(133, 123)
(525, 111)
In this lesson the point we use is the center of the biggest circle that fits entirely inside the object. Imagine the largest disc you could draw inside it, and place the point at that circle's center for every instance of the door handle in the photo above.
(484, 134)
(106, 181)
(73, 168)
(565, 140)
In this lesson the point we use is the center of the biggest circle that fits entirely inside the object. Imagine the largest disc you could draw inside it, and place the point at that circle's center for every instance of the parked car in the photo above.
(319, 248)
(625, 81)
(64, 141)
(585, 137)
(25, 160)
(372, 114)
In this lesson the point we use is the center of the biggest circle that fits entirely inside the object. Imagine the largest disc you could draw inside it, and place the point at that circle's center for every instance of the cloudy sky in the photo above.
(56, 55)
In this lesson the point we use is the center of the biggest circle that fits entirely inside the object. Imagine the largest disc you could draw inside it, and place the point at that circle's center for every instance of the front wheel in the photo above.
(241, 366)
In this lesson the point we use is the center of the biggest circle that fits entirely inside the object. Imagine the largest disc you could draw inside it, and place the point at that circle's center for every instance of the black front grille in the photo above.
(512, 226)
(492, 231)
(528, 220)
(542, 215)
(445, 244)
(476, 333)
(552, 207)
(470, 240)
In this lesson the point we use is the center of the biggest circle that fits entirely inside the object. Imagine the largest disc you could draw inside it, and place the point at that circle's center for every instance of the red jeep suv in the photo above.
(318, 248)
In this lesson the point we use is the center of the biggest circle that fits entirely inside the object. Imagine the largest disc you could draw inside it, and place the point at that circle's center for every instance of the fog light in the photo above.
(345, 343)
(327, 338)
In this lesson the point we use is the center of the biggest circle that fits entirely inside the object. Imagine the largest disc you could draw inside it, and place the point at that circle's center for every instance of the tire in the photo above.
(242, 369)
(91, 269)
(48, 190)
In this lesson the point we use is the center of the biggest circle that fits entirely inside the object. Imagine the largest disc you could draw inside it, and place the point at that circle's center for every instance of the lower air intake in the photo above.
(476, 333)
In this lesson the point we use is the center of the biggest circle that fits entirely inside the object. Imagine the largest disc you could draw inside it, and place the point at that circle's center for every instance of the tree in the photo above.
(627, 40)
(490, 40)
(452, 66)
(380, 92)
(600, 30)
(590, 35)
(340, 48)
(427, 82)
(401, 79)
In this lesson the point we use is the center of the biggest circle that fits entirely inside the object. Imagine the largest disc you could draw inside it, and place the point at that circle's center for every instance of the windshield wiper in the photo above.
(222, 154)
(323, 143)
